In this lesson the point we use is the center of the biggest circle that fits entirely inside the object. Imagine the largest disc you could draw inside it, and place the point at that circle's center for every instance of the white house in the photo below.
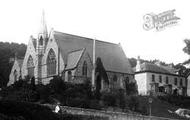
(159, 79)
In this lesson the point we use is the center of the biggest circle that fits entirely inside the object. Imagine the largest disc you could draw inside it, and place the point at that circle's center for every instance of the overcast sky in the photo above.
(117, 21)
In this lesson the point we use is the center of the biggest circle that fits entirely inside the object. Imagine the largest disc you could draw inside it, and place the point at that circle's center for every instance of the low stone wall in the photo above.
(108, 114)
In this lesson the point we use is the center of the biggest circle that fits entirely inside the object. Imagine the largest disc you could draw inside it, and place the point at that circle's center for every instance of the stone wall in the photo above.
(109, 114)
(78, 77)
(121, 79)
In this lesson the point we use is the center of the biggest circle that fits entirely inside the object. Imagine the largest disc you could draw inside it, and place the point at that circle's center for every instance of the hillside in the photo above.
(14, 110)
(160, 108)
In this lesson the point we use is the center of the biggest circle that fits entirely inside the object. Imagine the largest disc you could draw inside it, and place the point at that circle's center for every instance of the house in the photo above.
(159, 79)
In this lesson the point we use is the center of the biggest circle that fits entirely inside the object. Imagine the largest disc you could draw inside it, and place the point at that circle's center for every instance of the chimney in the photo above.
(171, 65)
(158, 63)
(138, 66)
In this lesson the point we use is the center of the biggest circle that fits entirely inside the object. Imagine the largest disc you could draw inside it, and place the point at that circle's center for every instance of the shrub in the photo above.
(133, 103)
(109, 99)
(12, 110)
(94, 104)
(27, 110)
(131, 88)
(57, 85)
(78, 102)
(144, 110)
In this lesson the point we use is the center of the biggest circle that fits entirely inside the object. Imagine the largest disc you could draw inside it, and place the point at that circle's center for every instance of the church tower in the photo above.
(42, 35)
(41, 46)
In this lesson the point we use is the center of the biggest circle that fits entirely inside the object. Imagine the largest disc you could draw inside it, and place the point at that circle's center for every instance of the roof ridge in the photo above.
(87, 38)
(161, 67)
(76, 50)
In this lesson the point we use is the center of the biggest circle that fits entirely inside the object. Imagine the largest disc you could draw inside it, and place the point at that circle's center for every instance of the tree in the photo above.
(186, 49)
(133, 62)
(33, 83)
(121, 99)
(7, 51)
(133, 103)
(109, 99)
(57, 85)
(181, 69)
(100, 74)
(131, 88)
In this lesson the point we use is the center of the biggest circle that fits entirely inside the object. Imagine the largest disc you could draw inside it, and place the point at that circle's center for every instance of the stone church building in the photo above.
(71, 57)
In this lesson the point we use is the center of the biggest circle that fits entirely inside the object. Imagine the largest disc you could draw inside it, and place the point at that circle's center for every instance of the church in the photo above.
(73, 58)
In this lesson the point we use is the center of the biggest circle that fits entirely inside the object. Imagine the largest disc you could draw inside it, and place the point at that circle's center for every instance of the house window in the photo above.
(175, 81)
(153, 78)
(115, 78)
(167, 81)
(30, 67)
(127, 79)
(69, 76)
(181, 82)
(84, 69)
(160, 79)
(51, 63)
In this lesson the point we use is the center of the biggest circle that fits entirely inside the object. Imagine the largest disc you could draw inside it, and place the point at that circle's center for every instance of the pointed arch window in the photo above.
(41, 41)
(15, 76)
(181, 82)
(69, 76)
(84, 69)
(114, 84)
(51, 63)
(30, 66)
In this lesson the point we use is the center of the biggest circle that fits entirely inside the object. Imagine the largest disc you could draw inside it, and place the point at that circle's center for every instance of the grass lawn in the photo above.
(160, 108)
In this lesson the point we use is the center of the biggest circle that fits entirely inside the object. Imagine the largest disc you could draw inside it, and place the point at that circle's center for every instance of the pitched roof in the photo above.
(73, 58)
(111, 54)
(149, 67)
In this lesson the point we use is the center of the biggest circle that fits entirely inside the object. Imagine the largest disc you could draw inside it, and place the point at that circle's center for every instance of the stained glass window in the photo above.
(51, 63)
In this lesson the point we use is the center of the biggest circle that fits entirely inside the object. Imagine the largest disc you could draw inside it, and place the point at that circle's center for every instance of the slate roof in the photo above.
(112, 55)
(73, 58)
(149, 67)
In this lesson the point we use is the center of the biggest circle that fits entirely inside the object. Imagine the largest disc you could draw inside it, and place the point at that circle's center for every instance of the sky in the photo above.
(117, 21)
